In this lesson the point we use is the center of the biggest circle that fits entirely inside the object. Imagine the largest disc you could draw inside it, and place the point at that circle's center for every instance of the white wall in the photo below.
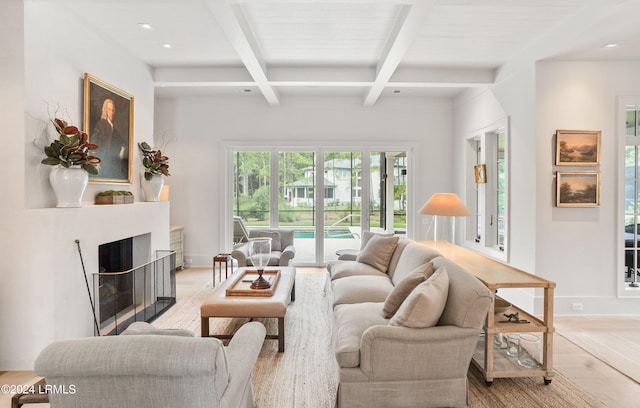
(578, 247)
(59, 49)
(574, 247)
(198, 128)
(512, 97)
(43, 295)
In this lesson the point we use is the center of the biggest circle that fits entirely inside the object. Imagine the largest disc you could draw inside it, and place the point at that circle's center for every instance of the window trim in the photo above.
(486, 245)
(275, 146)
(624, 290)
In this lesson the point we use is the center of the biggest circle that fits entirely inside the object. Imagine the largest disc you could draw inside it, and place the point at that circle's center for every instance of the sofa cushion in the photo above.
(413, 255)
(352, 320)
(378, 252)
(425, 304)
(342, 269)
(360, 289)
(274, 235)
(405, 287)
(466, 294)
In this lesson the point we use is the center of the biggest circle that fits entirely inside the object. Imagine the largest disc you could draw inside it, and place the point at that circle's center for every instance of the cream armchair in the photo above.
(282, 249)
(145, 367)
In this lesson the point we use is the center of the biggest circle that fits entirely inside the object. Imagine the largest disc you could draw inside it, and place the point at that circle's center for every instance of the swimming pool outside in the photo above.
(341, 233)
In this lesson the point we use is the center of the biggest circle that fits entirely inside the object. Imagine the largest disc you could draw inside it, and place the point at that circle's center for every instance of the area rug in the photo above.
(306, 374)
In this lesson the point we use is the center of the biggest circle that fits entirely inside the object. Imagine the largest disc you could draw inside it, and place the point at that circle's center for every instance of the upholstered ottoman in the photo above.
(218, 304)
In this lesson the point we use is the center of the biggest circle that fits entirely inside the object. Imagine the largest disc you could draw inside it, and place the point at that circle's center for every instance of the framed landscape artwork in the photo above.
(108, 120)
(577, 147)
(578, 189)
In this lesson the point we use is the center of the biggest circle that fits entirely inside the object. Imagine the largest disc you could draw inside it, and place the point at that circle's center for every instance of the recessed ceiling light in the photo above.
(146, 26)
(167, 45)
(611, 45)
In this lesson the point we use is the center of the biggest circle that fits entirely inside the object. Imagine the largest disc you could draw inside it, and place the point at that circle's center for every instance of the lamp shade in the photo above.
(444, 204)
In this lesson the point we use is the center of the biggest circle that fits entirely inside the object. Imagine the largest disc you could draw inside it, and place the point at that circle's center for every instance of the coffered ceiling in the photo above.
(368, 48)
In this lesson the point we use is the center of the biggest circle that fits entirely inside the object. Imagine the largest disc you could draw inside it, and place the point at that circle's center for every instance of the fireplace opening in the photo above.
(116, 291)
(130, 286)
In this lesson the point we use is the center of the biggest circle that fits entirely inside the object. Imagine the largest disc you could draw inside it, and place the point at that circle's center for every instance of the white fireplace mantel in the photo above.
(49, 299)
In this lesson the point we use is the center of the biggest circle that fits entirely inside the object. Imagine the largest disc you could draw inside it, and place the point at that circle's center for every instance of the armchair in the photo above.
(145, 367)
(282, 249)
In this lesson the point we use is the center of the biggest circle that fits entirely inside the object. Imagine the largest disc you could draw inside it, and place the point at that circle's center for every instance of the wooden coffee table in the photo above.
(219, 304)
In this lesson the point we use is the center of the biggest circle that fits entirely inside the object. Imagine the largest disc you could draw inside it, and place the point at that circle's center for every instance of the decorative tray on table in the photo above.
(241, 286)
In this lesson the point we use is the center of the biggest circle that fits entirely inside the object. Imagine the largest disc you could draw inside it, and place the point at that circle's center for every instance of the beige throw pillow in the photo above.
(378, 252)
(425, 304)
(366, 236)
(405, 287)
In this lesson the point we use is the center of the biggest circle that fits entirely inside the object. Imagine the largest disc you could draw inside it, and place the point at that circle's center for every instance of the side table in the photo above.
(220, 259)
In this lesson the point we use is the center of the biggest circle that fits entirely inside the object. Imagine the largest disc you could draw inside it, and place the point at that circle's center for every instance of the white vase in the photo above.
(68, 184)
(152, 188)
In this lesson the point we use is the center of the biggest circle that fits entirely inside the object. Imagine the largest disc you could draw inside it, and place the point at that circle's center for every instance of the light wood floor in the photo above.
(604, 382)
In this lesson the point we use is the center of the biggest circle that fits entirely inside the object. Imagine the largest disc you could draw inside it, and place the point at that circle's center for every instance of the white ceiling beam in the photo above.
(478, 76)
(234, 24)
(410, 20)
(201, 74)
(226, 77)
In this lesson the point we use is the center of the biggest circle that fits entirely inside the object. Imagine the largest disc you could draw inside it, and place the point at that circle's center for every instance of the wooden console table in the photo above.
(496, 275)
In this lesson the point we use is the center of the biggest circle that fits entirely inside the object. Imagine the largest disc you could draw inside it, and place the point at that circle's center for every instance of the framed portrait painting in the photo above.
(577, 147)
(108, 120)
(578, 189)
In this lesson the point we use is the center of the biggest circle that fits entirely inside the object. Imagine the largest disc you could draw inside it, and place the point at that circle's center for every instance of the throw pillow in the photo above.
(366, 236)
(378, 252)
(275, 238)
(425, 304)
(405, 287)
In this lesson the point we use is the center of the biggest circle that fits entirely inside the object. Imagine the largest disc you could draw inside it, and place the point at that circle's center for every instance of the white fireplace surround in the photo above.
(50, 290)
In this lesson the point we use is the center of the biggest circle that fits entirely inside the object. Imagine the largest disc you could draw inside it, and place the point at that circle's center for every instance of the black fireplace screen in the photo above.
(132, 294)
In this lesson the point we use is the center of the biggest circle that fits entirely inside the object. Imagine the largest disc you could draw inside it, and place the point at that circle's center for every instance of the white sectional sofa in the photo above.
(405, 331)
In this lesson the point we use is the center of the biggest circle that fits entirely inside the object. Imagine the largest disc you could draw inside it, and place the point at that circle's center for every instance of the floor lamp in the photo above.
(447, 204)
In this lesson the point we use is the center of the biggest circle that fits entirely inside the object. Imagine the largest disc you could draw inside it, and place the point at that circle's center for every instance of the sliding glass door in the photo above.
(342, 202)
(297, 201)
(327, 197)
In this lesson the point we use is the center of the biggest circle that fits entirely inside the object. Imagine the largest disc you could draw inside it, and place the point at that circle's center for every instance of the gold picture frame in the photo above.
(480, 172)
(108, 120)
(578, 147)
(578, 189)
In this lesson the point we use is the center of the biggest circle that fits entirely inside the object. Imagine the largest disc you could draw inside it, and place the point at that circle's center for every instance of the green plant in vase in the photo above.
(70, 154)
(153, 161)
(72, 148)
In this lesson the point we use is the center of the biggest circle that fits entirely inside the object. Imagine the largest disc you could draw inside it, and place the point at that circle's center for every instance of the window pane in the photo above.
(296, 180)
(630, 162)
(632, 121)
(500, 186)
(251, 187)
(400, 193)
(376, 216)
(342, 173)
(296, 205)
(479, 195)
(631, 209)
